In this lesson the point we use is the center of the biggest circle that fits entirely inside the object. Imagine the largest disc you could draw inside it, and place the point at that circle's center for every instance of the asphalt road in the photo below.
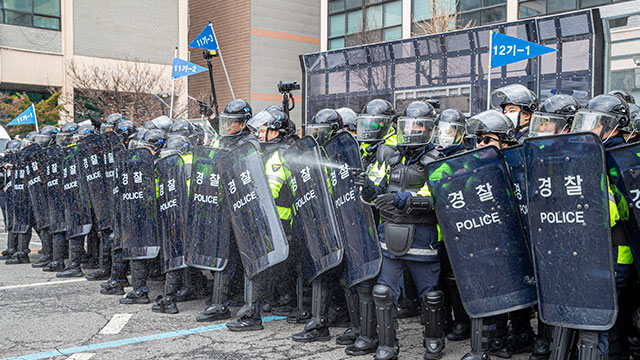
(45, 317)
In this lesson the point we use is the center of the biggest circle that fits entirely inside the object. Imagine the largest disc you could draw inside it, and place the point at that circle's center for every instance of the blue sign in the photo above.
(184, 68)
(26, 118)
(507, 49)
(205, 40)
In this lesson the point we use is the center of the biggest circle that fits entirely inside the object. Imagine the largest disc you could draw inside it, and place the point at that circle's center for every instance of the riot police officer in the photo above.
(349, 119)
(624, 95)
(518, 103)
(375, 127)
(554, 116)
(111, 122)
(154, 140)
(13, 147)
(408, 232)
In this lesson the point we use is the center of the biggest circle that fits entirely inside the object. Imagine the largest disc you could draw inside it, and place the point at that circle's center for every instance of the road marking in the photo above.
(129, 341)
(117, 322)
(40, 284)
(81, 356)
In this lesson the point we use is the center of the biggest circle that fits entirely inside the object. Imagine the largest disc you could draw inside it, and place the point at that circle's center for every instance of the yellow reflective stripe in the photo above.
(614, 214)
(187, 159)
(275, 178)
(424, 190)
(284, 212)
(377, 173)
(625, 256)
(439, 232)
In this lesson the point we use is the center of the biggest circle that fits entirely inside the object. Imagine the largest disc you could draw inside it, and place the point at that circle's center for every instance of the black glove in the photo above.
(205, 109)
(361, 178)
(385, 202)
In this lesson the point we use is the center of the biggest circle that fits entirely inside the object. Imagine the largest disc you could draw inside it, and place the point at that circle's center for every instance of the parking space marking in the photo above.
(81, 356)
(40, 284)
(117, 322)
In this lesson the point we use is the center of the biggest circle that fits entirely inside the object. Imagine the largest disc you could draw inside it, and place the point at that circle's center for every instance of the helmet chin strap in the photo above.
(611, 133)
(633, 131)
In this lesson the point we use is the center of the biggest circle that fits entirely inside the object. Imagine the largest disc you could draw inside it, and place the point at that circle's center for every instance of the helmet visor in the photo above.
(42, 140)
(136, 144)
(231, 124)
(594, 121)
(106, 127)
(321, 132)
(546, 124)
(415, 131)
(448, 134)
(63, 138)
(512, 94)
(372, 127)
(261, 118)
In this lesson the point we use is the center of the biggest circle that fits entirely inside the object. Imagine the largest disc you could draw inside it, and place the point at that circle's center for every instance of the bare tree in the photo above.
(129, 88)
(444, 17)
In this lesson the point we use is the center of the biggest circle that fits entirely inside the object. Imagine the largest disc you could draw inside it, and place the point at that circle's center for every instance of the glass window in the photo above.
(43, 14)
(336, 25)
(469, 5)
(354, 21)
(336, 5)
(590, 3)
(353, 4)
(421, 10)
(494, 2)
(374, 17)
(46, 22)
(493, 15)
(533, 8)
(336, 43)
(392, 14)
(46, 7)
(20, 5)
(555, 6)
(16, 18)
(393, 33)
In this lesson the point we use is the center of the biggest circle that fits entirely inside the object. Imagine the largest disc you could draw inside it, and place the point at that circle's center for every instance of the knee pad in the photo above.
(382, 294)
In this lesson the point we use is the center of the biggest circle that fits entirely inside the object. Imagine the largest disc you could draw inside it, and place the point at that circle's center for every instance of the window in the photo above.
(357, 22)
(43, 14)
(531, 8)
(472, 12)
(482, 12)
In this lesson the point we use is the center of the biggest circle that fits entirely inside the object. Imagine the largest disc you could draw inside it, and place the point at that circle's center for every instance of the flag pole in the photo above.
(222, 61)
(35, 117)
(489, 71)
(173, 87)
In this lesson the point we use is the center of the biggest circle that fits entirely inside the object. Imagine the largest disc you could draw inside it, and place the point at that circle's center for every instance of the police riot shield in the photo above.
(257, 229)
(514, 158)
(172, 211)
(208, 226)
(136, 204)
(77, 207)
(35, 158)
(91, 150)
(111, 146)
(362, 254)
(8, 189)
(570, 230)
(482, 231)
(54, 189)
(314, 218)
(21, 203)
(624, 170)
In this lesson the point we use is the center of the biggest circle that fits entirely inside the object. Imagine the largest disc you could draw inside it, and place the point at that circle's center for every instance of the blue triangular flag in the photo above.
(184, 68)
(205, 40)
(26, 118)
(507, 49)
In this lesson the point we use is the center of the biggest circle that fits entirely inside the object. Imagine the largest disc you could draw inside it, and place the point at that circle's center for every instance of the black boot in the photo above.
(351, 334)
(482, 333)
(301, 313)
(54, 266)
(43, 261)
(73, 270)
(104, 271)
(138, 296)
(500, 346)
(112, 287)
(434, 309)
(18, 258)
(219, 308)
(588, 346)
(462, 325)
(563, 343)
(542, 348)
(12, 246)
(388, 347)
(316, 329)
(165, 305)
(367, 340)
(7, 253)
(249, 314)
(522, 340)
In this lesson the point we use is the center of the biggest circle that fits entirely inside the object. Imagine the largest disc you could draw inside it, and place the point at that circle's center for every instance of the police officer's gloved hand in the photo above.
(385, 202)
(361, 178)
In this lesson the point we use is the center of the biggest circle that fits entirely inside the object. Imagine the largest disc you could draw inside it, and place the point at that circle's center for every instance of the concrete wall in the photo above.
(280, 31)
(144, 30)
(20, 37)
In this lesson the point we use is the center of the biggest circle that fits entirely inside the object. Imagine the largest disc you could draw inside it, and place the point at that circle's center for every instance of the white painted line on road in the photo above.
(81, 356)
(40, 284)
(117, 322)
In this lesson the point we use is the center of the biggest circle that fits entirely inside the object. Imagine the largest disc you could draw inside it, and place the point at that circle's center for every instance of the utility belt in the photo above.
(400, 217)
(398, 240)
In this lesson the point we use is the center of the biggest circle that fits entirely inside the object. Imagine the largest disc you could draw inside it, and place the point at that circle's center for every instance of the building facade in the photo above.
(260, 41)
(40, 38)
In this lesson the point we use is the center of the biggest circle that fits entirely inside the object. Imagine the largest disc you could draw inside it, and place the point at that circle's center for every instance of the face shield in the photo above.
(320, 132)
(231, 124)
(595, 121)
(372, 127)
(63, 138)
(106, 127)
(414, 131)
(136, 144)
(42, 140)
(448, 134)
(260, 119)
(547, 124)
